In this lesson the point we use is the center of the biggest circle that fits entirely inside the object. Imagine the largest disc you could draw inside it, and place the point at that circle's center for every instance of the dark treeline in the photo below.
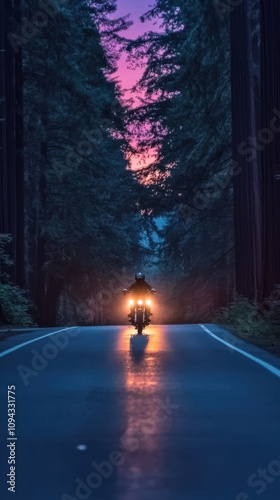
(188, 70)
(211, 107)
(79, 220)
(78, 227)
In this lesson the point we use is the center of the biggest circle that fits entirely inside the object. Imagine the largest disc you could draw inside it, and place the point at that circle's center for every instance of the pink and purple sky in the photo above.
(128, 77)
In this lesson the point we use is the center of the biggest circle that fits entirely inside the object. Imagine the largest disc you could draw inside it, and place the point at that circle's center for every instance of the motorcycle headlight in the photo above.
(140, 302)
(148, 302)
(131, 302)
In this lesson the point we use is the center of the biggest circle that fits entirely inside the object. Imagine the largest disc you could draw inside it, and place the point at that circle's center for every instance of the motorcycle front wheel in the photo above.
(139, 329)
(139, 322)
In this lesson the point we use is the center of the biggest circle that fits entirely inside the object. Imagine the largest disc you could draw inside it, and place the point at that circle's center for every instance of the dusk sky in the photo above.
(126, 76)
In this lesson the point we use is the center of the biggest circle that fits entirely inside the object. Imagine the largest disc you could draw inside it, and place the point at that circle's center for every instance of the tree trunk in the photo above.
(270, 100)
(247, 191)
(11, 152)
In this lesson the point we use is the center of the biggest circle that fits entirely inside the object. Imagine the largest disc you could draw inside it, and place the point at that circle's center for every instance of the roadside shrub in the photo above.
(15, 305)
(243, 315)
(13, 302)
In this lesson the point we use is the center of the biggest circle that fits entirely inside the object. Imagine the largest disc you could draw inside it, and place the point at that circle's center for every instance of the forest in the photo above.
(201, 218)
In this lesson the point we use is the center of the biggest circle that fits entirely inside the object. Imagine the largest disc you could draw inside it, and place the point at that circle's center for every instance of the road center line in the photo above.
(19, 346)
(267, 366)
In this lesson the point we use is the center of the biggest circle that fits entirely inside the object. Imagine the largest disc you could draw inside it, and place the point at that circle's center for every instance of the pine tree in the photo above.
(81, 214)
(186, 116)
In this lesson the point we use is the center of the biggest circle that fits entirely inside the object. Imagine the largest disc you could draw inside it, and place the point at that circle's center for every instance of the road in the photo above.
(184, 413)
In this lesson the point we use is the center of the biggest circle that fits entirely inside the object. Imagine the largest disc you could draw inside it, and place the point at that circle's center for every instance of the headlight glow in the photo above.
(148, 302)
(131, 302)
(140, 302)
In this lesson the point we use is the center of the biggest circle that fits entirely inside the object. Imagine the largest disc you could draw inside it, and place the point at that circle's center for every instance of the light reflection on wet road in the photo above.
(190, 418)
(147, 418)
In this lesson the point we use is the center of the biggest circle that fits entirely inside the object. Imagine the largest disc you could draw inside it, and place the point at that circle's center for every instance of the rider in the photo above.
(139, 289)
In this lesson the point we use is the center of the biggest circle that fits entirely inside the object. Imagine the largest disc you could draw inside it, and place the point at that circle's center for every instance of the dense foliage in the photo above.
(14, 305)
(80, 197)
(203, 216)
(185, 115)
(251, 319)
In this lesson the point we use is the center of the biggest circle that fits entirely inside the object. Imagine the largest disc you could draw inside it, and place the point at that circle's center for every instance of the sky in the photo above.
(128, 77)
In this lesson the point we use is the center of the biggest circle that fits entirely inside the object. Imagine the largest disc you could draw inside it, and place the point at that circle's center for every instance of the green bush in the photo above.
(13, 302)
(244, 316)
(15, 305)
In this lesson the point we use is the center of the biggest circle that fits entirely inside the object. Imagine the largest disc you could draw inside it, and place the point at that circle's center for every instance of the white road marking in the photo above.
(267, 366)
(19, 346)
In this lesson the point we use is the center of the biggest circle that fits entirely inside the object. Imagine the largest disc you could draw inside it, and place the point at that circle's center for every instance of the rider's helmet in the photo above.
(139, 277)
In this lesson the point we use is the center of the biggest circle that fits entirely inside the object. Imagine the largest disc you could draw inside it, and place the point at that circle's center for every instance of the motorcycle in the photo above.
(140, 312)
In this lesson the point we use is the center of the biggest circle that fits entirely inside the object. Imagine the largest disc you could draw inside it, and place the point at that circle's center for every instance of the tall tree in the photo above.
(185, 116)
(255, 99)
(269, 135)
(246, 154)
(82, 221)
(11, 158)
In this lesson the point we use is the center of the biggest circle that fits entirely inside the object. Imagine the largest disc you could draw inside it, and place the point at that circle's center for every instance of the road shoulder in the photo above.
(234, 343)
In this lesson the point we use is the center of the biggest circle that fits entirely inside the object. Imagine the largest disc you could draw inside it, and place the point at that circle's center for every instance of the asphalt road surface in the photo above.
(184, 413)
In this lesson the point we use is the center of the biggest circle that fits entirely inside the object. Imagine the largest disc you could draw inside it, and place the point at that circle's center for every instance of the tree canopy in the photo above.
(202, 215)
